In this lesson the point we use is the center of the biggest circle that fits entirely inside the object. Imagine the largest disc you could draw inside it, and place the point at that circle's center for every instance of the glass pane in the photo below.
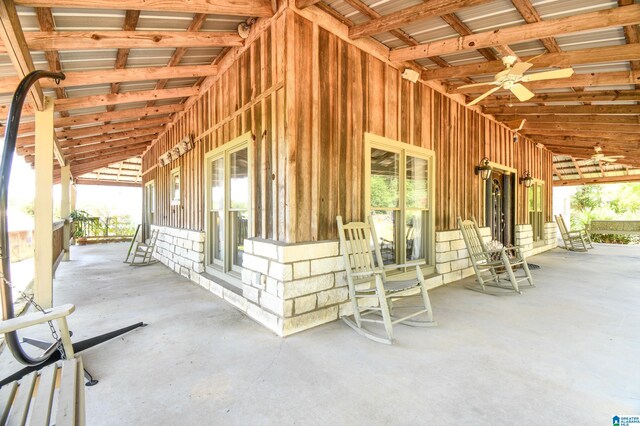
(531, 194)
(217, 240)
(240, 222)
(385, 223)
(385, 170)
(217, 184)
(176, 186)
(539, 197)
(417, 183)
(239, 180)
(414, 235)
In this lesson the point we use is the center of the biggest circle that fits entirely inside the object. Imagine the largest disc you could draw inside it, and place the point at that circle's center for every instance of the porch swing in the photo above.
(61, 347)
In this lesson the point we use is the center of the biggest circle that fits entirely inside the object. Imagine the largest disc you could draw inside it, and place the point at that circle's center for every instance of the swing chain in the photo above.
(32, 302)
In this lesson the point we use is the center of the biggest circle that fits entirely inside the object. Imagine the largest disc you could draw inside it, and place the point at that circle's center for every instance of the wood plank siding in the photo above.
(308, 96)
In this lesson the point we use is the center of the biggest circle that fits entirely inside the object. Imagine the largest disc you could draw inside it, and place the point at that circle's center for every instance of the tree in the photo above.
(586, 199)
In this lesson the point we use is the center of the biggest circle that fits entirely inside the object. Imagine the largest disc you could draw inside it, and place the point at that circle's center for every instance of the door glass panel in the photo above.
(385, 223)
(217, 184)
(239, 191)
(217, 210)
(417, 183)
(414, 234)
(385, 183)
(239, 223)
(217, 242)
(539, 198)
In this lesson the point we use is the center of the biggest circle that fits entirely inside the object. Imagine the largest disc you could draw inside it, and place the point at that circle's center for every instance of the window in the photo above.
(149, 206)
(535, 196)
(228, 205)
(175, 186)
(399, 193)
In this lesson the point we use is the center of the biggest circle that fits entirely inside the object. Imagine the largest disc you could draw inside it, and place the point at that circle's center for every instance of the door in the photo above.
(499, 206)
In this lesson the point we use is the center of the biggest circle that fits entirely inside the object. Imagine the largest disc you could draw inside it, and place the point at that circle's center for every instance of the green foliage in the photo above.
(80, 219)
(611, 238)
(384, 191)
(587, 198)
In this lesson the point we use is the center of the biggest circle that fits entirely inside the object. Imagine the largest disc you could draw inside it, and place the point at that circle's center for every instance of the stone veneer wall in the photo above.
(292, 287)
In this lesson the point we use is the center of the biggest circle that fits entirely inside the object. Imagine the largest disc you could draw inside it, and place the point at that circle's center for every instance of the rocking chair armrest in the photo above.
(366, 274)
(404, 265)
(35, 318)
(491, 251)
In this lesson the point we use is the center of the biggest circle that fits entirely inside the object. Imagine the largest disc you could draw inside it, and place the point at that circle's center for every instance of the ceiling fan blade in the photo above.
(613, 157)
(608, 159)
(519, 68)
(522, 93)
(484, 95)
(548, 75)
(488, 83)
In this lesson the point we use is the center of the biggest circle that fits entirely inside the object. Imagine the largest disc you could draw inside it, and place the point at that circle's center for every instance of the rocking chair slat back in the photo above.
(357, 238)
(473, 239)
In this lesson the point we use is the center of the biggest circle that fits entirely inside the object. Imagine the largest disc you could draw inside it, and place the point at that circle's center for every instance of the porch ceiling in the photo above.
(130, 68)
(461, 42)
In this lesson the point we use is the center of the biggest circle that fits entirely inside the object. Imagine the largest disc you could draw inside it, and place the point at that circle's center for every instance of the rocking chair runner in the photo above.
(371, 291)
(574, 240)
(496, 262)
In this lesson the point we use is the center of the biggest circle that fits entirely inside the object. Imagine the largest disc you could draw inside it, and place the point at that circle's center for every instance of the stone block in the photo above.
(301, 269)
(297, 252)
(272, 303)
(341, 279)
(443, 246)
(463, 254)
(248, 246)
(251, 293)
(198, 247)
(309, 320)
(432, 282)
(305, 304)
(310, 285)
(327, 265)
(443, 268)
(269, 320)
(446, 256)
(458, 245)
(255, 263)
(448, 235)
(194, 276)
(195, 256)
(205, 283)
(288, 308)
(216, 288)
(272, 285)
(332, 296)
(281, 271)
(452, 276)
(197, 236)
(246, 276)
(184, 271)
(345, 309)
(459, 264)
(235, 299)
(265, 249)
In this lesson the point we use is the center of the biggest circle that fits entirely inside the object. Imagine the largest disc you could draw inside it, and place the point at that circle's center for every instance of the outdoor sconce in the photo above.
(526, 179)
(484, 169)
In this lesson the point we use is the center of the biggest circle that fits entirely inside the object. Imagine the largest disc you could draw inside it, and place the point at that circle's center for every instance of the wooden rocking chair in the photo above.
(497, 263)
(574, 240)
(370, 290)
(142, 255)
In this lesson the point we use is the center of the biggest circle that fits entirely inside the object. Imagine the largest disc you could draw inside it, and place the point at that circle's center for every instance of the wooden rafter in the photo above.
(585, 128)
(627, 15)
(85, 78)
(462, 29)
(130, 23)
(614, 135)
(598, 180)
(13, 38)
(590, 96)
(549, 118)
(577, 166)
(560, 59)
(260, 8)
(411, 14)
(577, 109)
(530, 15)
(83, 40)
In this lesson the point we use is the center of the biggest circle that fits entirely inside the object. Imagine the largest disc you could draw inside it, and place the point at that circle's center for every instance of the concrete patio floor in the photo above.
(565, 352)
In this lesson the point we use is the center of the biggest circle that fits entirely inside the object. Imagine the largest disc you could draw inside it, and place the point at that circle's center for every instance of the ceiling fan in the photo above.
(598, 156)
(511, 77)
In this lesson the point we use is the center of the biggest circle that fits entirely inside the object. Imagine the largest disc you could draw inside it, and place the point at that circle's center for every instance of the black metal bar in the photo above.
(13, 121)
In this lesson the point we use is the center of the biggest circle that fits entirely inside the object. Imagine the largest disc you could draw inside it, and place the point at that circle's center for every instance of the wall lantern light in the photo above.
(526, 179)
(484, 169)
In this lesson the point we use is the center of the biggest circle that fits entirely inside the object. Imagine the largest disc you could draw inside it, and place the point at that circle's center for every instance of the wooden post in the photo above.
(65, 177)
(43, 284)
(73, 197)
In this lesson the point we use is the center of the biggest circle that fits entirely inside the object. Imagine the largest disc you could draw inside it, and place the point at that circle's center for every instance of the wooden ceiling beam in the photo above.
(85, 166)
(108, 100)
(83, 40)
(590, 96)
(614, 135)
(462, 29)
(548, 118)
(576, 80)
(581, 127)
(131, 149)
(84, 149)
(411, 14)
(531, 16)
(258, 8)
(560, 59)
(65, 144)
(627, 15)
(569, 109)
(126, 114)
(597, 180)
(590, 143)
(13, 38)
(46, 23)
(130, 23)
(301, 4)
(85, 78)
(106, 182)
(195, 25)
(112, 127)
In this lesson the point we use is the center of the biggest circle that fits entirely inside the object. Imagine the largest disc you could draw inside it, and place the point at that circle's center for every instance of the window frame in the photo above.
(149, 208)
(404, 149)
(225, 269)
(175, 172)
(537, 239)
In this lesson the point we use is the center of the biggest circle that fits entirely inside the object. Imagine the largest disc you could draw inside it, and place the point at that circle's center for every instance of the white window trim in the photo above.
(397, 146)
(540, 240)
(175, 172)
(232, 145)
